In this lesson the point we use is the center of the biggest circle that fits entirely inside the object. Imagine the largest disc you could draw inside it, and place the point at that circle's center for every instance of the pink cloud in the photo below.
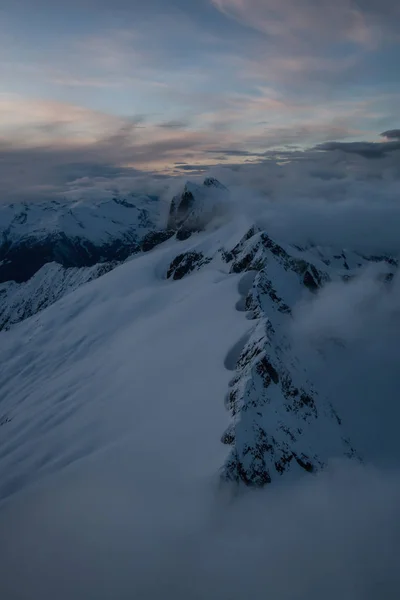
(302, 20)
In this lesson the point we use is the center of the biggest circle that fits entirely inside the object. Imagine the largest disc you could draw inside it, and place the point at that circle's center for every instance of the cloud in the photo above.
(337, 199)
(358, 371)
(361, 309)
(235, 152)
(46, 147)
(174, 124)
(365, 149)
(330, 536)
(23, 117)
(360, 23)
(392, 134)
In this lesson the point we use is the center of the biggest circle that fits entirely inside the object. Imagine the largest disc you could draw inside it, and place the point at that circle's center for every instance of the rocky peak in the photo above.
(197, 205)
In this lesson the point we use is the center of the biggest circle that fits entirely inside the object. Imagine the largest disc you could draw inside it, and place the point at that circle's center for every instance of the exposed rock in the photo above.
(279, 421)
(154, 238)
(23, 259)
(184, 264)
(193, 209)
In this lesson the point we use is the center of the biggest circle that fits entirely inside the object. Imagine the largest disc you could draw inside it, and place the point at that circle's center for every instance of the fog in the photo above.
(332, 536)
(355, 326)
(322, 198)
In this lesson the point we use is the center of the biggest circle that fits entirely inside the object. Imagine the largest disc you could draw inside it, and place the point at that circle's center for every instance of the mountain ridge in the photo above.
(278, 422)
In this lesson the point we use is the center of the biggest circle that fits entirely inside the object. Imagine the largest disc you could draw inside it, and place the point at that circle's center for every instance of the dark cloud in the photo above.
(193, 168)
(174, 124)
(242, 152)
(31, 173)
(364, 149)
(391, 134)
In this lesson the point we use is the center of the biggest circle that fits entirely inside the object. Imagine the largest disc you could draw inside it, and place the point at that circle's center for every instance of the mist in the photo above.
(332, 536)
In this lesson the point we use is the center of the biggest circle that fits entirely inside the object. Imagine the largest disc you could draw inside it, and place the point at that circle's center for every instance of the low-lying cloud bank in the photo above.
(332, 536)
(340, 194)
(354, 325)
(118, 162)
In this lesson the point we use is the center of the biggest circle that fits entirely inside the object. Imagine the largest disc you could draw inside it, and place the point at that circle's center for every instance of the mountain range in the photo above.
(61, 327)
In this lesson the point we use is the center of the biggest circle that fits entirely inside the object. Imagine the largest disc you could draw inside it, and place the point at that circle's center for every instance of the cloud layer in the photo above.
(356, 22)
(277, 73)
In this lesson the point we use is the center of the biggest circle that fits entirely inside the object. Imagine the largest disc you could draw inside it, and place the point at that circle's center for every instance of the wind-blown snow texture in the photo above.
(120, 382)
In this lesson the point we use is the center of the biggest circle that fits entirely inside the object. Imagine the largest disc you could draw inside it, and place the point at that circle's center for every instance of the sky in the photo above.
(163, 86)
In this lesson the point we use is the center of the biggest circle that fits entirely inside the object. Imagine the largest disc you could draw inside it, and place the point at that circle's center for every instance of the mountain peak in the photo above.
(213, 182)
(196, 206)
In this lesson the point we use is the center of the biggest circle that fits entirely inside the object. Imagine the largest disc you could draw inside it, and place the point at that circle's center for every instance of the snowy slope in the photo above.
(167, 328)
(122, 359)
(18, 301)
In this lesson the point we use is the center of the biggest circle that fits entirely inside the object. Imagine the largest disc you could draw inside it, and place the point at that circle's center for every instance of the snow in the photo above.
(88, 367)
(18, 301)
(122, 379)
(98, 221)
(111, 416)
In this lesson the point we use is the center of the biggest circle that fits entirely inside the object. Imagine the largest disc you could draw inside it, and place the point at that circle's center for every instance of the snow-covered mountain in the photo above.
(73, 234)
(18, 301)
(205, 284)
(279, 421)
(147, 362)
(48, 249)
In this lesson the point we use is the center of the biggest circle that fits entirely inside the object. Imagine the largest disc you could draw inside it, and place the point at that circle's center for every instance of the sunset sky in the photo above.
(160, 84)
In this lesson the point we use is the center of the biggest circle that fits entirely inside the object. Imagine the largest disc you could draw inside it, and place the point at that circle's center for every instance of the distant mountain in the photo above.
(72, 234)
(48, 249)
(18, 301)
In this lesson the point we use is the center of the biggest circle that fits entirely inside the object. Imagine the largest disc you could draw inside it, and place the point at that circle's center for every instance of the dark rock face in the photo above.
(21, 260)
(180, 209)
(154, 238)
(184, 264)
(195, 207)
(211, 182)
(184, 233)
